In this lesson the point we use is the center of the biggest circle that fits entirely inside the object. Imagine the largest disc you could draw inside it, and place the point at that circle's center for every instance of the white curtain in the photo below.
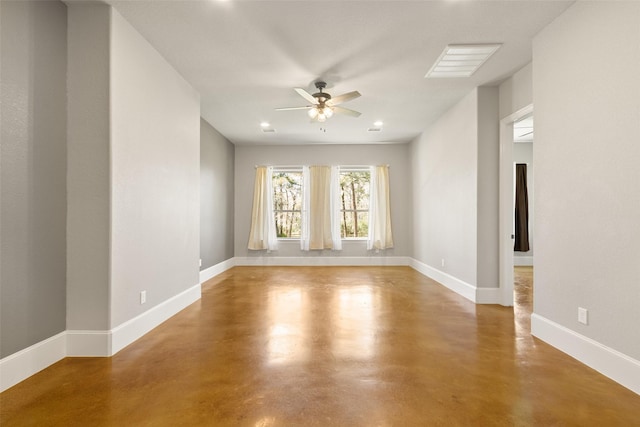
(320, 184)
(263, 226)
(380, 236)
(306, 201)
(335, 208)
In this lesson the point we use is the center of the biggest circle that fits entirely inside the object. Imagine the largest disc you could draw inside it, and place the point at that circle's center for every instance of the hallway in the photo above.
(327, 346)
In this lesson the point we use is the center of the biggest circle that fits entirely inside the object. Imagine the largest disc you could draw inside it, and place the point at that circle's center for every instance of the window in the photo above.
(354, 196)
(354, 202)
(287, 202)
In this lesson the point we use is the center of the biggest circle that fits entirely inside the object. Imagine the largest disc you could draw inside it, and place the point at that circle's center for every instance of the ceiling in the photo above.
(245, 58)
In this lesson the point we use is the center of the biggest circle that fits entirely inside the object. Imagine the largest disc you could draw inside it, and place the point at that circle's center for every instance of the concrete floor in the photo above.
(329, 346)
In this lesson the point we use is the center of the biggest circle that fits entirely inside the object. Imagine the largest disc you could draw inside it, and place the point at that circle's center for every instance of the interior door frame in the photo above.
(506, 204)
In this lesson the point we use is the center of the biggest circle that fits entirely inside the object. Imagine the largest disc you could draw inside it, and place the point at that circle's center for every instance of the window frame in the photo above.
(289, 169)
(299, 169)
(356, 211)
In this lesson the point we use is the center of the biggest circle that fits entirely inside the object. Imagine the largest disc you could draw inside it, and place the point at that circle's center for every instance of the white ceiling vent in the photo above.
(374, 130)
(268, 130)
(461, 60)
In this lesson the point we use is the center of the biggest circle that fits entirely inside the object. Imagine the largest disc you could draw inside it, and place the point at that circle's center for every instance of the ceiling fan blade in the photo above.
(343, 98)
(294, 108)
(306, 95)
(346, 111)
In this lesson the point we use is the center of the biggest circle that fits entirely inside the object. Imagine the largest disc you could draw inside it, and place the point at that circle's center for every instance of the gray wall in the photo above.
(445, 168)
(155, 176)
(217, 156)
(587, 99)
(395, 155)
(455, 191)
(516, 91)
(133, 173)
(88, 163)
(488, 187)
(33, 174)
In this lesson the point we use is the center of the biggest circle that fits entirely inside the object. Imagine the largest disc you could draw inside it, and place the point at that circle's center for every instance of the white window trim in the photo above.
(298, 169)
(356, 168)
(286, 169)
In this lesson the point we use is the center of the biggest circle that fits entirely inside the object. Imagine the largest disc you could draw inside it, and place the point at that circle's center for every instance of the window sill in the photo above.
(346, 239)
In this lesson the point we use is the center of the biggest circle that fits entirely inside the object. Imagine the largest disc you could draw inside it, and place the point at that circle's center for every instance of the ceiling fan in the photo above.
(323, 105)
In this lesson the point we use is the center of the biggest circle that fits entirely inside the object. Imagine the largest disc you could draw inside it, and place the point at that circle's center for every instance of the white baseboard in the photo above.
(214, 270)
(323, 261)
(523, 261)
(21, 365)
(88, 343)
(108, 343)
(456, 285)
(488, 296)
(609, 362)
(129, 331)
(470, 292)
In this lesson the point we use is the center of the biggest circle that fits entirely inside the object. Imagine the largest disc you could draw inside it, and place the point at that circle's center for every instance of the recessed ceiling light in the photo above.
(378, 123)
(265, 124)
(461, 60)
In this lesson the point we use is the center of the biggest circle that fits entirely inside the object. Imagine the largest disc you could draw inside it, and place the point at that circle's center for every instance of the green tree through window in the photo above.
(354, 196)
(287, 202)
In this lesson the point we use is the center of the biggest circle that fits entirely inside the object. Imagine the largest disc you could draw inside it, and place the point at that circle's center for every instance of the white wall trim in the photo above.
(221, 267)
(609, 362)
(88, 343)
(129, 331)
(322, 261)
(470, 292)
(523, 260)
(458, 286)
(488, 296)
(19, 366)
(31, 360)
(108, 343)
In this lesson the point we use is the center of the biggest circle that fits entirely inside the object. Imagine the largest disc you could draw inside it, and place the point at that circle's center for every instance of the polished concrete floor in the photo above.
(338, 346)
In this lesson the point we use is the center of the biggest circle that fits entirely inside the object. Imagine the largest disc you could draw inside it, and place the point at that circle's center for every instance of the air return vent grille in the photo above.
(461, 60)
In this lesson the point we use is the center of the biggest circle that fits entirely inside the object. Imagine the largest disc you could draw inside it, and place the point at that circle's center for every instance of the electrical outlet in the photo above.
(583, 316)
(442, 262)
(200, 262)
(143, 297)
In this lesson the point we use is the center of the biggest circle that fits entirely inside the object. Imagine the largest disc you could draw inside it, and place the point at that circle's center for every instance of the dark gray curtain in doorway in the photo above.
(522, 210)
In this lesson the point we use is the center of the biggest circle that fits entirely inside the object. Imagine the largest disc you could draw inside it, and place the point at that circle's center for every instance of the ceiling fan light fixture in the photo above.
(322, 106)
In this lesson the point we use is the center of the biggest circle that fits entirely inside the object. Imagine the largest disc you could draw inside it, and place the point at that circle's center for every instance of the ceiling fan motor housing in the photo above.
(321, 96)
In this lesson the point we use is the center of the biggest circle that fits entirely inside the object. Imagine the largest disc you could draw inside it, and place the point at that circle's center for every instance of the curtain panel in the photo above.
(521, 243)
(380, 236)
(336, 238)
(263, 228)
(320, 220)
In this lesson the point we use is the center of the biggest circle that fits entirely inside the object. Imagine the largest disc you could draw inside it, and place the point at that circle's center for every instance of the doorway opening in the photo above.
(523, 222)
(516, 148)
